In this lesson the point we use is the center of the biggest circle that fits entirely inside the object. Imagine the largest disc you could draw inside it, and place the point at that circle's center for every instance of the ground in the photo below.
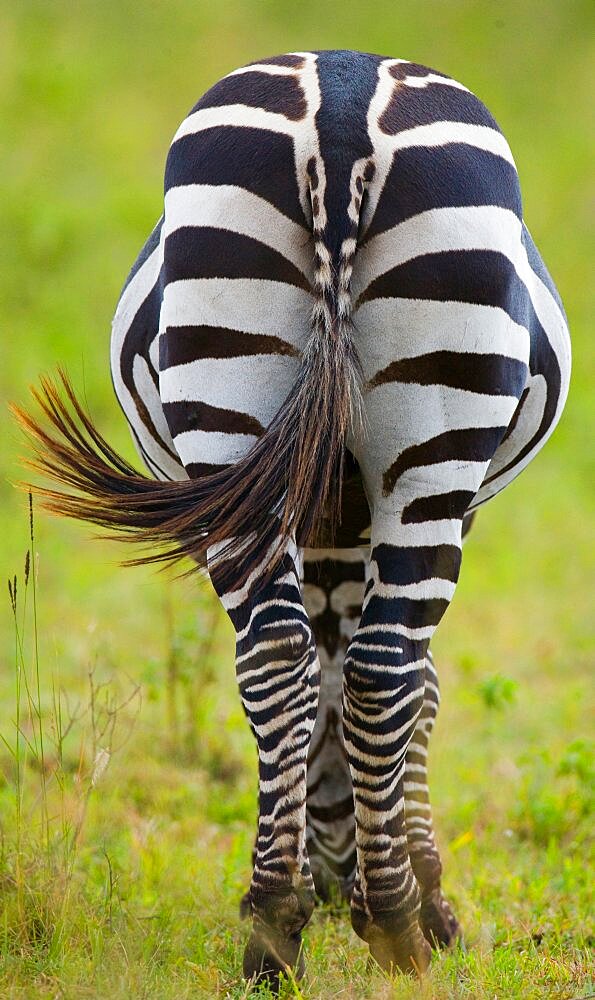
(125, 839)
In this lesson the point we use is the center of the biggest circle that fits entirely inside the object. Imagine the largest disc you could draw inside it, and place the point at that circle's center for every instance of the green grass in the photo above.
(129, 887)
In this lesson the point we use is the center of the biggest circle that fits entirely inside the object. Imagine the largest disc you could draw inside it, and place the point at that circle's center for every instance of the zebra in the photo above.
(337, 343)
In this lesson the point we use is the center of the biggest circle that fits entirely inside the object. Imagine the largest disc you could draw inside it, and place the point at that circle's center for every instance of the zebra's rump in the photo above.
(409, 180)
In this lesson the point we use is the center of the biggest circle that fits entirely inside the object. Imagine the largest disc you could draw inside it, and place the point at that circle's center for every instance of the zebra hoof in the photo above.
(438, 922)
(395, 951)
(408, 953)
(268, 955)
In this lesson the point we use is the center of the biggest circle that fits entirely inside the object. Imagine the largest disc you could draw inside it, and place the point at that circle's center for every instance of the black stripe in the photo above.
(282, 95)
(150, 462)
(516, 414)
(209, 252)
(285, 60)
(467, 445)
(329, 573)
(482, 277)
(542, 361)
(137, 341)
(340, 809)
(493, 374)
(194, 416)
(151, 245)
(196, 470)
(402, 70)
(185, 344)
(452, 176)
(538, 266)
(401, 565)
(410, 107)
(437, 507)
(260, 161)
(240, 615)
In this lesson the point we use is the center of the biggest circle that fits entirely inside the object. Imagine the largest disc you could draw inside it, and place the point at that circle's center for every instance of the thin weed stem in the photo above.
(42, 761)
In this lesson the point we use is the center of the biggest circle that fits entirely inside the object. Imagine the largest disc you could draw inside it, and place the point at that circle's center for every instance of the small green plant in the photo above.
(497, 692)
(556, 795)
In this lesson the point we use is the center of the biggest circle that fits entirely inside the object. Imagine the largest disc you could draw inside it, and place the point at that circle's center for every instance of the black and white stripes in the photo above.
(337, 343)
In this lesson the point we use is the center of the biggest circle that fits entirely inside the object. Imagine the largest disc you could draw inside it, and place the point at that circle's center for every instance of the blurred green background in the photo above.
(91, 94)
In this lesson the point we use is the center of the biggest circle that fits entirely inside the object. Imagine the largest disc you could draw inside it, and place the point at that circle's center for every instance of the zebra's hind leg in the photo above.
(437, 920)
(333, 588)
(278, 676)
(409, 588)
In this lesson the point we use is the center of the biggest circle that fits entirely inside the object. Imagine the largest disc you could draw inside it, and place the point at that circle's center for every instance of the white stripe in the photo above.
(233, 208)
(252, 305)
(150, 397)
(268, 68)
(404, 631)
(420, 327)
(314, 599)
(527, 424)
(415, 768)
(427, 410)
(147, 391)
(256, 386)
(420, 82)
(415, 786)
(239, 115)
(425, 590)
(444, 132)
(131, 300)
(212, 446)
(484, 227)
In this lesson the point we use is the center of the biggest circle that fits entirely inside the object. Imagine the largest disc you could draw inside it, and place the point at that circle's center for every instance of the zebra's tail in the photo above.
(286, 486)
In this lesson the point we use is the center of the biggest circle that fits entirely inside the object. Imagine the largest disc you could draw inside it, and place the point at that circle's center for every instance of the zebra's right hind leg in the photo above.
(438, 922)
(333, 590)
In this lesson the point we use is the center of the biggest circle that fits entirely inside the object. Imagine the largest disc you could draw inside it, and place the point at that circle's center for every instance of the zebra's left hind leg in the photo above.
(278, 677)
(437, 920)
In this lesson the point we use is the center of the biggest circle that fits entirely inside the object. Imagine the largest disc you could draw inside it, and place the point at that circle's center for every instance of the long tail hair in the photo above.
(285, 486)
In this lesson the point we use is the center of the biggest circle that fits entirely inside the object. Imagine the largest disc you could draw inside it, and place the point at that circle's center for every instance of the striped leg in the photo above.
(333, 590)
(438, 922)
(333, 595)
(408, 591)
(278, 676)
(383, 693)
